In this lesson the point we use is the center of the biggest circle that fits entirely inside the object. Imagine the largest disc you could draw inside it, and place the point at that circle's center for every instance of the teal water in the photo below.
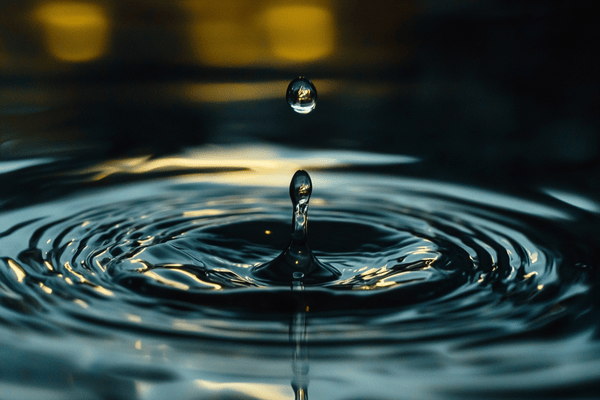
(134, 279)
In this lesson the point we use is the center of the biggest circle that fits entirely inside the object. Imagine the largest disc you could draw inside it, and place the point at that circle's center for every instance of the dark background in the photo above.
(490, 90)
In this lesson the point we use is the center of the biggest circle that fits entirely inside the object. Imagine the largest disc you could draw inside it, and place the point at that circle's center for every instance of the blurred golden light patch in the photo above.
(225, 43)
(299, 32)
(74, 31)
(234, 33)
(224, 33)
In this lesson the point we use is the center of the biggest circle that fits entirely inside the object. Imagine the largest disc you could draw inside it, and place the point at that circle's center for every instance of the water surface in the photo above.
(133, 279)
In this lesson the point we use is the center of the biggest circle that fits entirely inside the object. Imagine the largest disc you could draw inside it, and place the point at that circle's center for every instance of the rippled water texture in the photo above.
(132, 279)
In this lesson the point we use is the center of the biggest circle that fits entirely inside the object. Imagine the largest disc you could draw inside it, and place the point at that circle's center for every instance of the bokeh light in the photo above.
(299, 33)
(242, 33)
(74, 31)
(223, 33)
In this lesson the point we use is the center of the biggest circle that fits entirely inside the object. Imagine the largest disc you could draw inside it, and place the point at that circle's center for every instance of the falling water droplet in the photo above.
(301, 95)
(297, 262)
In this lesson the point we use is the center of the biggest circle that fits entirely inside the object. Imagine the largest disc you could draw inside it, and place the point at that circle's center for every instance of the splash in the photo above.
(297, 262)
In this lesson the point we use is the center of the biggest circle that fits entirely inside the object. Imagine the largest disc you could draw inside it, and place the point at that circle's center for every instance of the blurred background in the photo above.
(489, 89)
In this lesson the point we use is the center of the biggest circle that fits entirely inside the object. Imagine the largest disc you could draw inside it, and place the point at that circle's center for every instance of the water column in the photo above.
(297, 262)
(298, 339)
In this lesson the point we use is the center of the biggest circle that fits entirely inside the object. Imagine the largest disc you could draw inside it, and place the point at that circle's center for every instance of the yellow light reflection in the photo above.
(98, 262)
(529, 275)
(103, 291)
(299, 32)
(82, 279)
(195, 278)
(45, 288)
(77, 274)
(534, 257)
(17, 269)
(74, 31)
(81, 303)
(254, 390)
(203, 213)
(187, 326)
(134, 318)
(166, 281)
(255, 165)
(257, 158)
(426, 250)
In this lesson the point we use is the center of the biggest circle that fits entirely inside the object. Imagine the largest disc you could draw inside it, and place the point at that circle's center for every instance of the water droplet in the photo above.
(301, 95)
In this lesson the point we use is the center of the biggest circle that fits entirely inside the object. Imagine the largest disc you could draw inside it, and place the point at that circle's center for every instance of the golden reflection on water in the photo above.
(259, 391)
(45, 288)
(81, 278)
(530, 275)
(77, 274)
(74, 31)
(165, 281)
(195, 278)
(244, 165)
(81, 303)
(203, 213)
(133, 318)
(179, 285)
(17, 269)
(102, 290)
(256, 160)
(252, 164)
(533, 257)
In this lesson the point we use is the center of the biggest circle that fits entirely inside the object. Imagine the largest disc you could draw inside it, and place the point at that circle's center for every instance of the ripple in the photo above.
(427, 270)
(193, 245)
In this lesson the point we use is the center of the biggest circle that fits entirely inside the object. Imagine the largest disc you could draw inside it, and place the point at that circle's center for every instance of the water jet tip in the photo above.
(300, 187)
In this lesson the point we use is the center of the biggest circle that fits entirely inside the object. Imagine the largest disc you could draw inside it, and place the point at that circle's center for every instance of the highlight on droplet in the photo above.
(74, 31)
(299, 32)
